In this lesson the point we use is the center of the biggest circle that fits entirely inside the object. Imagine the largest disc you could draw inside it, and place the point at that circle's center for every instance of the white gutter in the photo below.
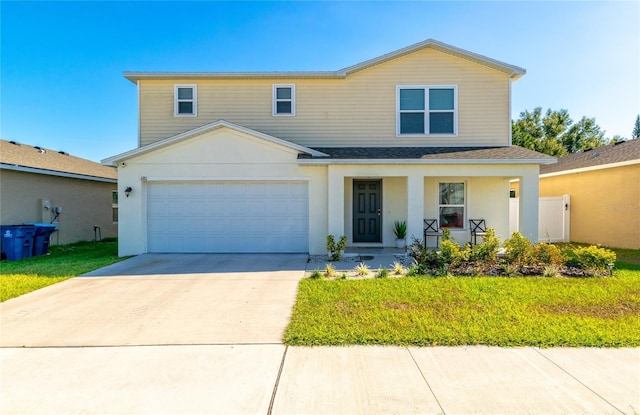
(25, 169)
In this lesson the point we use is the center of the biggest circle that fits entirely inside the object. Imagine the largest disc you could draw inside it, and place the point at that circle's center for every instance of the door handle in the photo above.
(378, 212)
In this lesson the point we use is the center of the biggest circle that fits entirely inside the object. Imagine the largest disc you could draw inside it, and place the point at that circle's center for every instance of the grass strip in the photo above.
(500, 311)
(62, 262)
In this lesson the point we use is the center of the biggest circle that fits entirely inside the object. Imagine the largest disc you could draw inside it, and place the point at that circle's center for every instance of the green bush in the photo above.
(452, 254)
(382, 273)
(518, 250)
(548, 254)
(424, 257)
(316, 275)
(594, 257)
(487, 251)
(335, 249)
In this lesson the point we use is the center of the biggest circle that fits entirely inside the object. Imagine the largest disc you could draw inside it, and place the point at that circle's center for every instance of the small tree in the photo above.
(636, 128)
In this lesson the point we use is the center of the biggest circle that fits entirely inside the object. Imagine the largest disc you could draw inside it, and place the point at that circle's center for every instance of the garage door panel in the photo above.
(228, 217)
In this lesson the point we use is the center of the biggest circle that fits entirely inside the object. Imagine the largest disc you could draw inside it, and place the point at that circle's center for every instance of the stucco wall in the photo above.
(219, 155)
(84, 204)
(357, 110)
(605, 205)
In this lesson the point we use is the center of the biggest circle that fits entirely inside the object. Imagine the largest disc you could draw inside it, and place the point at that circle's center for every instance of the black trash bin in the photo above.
(17, 241)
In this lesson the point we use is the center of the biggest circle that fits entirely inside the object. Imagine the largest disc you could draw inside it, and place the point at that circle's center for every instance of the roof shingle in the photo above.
(429, 153)
(24, 155)
(601, 156)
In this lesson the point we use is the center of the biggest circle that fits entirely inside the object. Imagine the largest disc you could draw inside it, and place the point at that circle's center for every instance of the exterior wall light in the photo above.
(127, 191)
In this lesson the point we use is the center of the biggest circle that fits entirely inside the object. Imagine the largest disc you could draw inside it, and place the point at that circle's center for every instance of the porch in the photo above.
(364, 201)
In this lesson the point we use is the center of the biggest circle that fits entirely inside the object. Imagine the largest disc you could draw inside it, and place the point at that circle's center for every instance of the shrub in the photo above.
(452, 254)
(316, 275)
(335, 249)
(510, 270)
(398, 268)
(330, 271)
(548, 254)
(382, 273)
(487, 251)
(518, 250)
(550, 271)
(426, 258)
(362, 269)
(413, 271)
(594, 258)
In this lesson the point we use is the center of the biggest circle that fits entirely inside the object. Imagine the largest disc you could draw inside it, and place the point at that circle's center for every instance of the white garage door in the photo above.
(228, 217)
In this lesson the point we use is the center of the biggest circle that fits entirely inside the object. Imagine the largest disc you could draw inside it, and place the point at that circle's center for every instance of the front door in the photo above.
(367, 211)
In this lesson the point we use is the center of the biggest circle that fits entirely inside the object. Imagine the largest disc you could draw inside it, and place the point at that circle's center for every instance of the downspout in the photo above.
(509, 114)
(139, 115)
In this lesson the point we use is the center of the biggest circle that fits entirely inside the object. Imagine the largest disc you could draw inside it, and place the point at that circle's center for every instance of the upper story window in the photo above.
(284, 100)
(427, 109)
(185, 101)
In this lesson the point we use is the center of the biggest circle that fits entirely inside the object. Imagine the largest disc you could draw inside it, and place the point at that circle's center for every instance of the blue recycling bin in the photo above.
(42, 237)
(17, 241)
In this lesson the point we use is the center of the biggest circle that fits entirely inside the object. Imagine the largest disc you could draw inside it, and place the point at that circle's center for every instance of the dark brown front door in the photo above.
(367, 211)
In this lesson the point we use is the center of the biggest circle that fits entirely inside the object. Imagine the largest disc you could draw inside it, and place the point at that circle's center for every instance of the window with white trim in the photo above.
(284, 99)
(427, 109)
(451, 204)
(185, 101)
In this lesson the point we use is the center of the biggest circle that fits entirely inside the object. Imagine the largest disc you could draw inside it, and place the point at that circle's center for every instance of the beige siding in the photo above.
(84, 203)
(358, 110)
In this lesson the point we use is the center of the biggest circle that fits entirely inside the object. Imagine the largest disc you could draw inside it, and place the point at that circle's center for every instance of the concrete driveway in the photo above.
(154, 299)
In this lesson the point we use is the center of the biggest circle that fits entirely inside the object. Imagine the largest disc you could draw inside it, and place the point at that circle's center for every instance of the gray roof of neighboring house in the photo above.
(481, 154)
(601, 156)
(513, 71)
(17, 156)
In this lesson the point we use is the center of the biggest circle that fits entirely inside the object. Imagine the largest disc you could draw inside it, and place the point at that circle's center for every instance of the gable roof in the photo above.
(514, 72)
(35, 159)
(112, 161)
(428, 155)
(612, 155)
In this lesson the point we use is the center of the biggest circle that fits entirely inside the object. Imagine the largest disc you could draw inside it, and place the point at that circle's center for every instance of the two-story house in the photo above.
(276, 161)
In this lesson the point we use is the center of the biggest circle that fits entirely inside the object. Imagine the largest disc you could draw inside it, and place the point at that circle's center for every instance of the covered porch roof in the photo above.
(425, 155)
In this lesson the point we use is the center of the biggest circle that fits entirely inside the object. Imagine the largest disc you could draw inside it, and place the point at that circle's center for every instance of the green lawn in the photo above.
(502, 311)
(63, 262)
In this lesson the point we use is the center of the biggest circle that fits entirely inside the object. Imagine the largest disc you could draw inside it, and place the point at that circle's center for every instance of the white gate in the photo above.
(553, 218)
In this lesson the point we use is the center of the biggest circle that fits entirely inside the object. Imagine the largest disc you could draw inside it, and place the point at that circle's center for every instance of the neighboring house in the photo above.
(34, 181)
(604, 187)
(276, 161)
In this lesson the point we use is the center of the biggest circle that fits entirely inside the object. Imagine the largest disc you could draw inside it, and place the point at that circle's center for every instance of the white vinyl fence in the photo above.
(553, 218)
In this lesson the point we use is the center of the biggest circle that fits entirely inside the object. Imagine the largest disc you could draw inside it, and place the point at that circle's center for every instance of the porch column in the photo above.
(335, 201)
(415, 206)
(529, 204)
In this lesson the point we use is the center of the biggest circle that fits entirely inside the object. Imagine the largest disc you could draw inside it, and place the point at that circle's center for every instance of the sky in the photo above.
(61, 63)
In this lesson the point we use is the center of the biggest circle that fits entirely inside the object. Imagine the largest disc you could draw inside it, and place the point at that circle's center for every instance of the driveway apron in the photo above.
(161, 299)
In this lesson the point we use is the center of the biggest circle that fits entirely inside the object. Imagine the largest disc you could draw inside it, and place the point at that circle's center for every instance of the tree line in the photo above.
(556, 134)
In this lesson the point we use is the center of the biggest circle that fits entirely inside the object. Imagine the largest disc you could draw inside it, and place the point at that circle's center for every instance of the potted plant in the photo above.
(400, 229)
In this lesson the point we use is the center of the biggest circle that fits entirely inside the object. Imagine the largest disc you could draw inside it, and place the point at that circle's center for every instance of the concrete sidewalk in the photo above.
(278, 380)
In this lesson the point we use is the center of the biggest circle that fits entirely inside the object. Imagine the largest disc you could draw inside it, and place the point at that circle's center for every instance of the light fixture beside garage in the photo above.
(127, 191)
